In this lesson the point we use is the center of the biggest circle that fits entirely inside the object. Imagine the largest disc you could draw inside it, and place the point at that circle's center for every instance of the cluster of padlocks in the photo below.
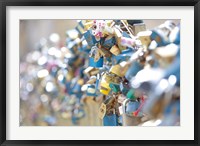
(135, 71)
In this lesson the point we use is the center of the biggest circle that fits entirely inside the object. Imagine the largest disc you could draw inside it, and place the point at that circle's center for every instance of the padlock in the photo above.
(124, 56)
(80, 28)
(76, 88)
(102, 111)
(95, 60)
(130, 95)
(91, 40)
(166, 54)
(145, 37)
(110, 120)
(128, 118)
(135, 67)
(108, 31)
(105, 52)
(84, 48)
(114, 87)
(97, 64)
(124, 67)
(77, 114)
(104, 88)
(92, 80)
(111, 78)
(88, 25)
(121, 47)
(98, 27)
(115, 50)
(132, 106)
(138, 27)
(109, 42)
(91, 90)
(124, 88)
(97, 55)
(90, 71)
(119, 69)
(161, 33)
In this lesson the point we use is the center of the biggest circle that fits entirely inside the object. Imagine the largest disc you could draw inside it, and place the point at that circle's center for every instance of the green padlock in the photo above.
(114, 87)
(130, 94)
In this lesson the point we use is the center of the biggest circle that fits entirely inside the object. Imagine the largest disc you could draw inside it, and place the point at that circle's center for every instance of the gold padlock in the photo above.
(105, 52)
(144, 37)
(119, 44)
(90, 71)
(88, 25)
(102, 110)
(111, 79)
(165, 55)
(115, 50)
(139, 27)
(92, 80)
(97, 55)
(120, 69)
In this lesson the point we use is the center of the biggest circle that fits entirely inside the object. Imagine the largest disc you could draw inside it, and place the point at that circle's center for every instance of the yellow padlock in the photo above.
(104, 86)
(104, 90)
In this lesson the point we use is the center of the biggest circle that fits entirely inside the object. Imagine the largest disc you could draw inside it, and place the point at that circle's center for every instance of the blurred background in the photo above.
(34, 110)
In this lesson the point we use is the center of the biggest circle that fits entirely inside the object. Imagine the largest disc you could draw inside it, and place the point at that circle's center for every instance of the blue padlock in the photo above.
(132, 106)
(161, 33)
(97, 64)
(68, 87)
(110, 120)
(76, 88)
(133, 70)
(124, 88)
(125, 34)
(91, 90)
(109, 42)
(76, 116)
(159, 37)
(124, 56)
(84, 48)
(91, 40)
(80, 28)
